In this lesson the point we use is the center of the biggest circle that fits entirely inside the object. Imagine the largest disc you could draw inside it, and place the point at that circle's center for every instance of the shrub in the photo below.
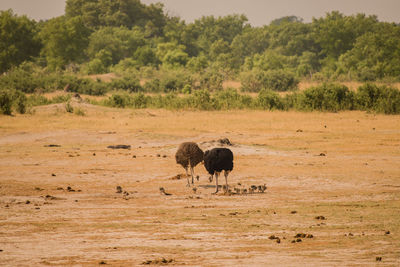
(20, 100)
(267, 99)
(211, 81)
(280, 80)
(326, 97)
(6, 102)
(276, 80)
(79, 112)
(68, 107)
(126, 83)
(231, 99)
(153, 85)
(378, 98)
(201, 99)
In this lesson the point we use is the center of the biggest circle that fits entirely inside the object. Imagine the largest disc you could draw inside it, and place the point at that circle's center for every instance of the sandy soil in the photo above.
(334, 177)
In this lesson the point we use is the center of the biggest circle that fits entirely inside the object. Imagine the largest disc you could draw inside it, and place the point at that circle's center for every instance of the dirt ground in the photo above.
(332, 198)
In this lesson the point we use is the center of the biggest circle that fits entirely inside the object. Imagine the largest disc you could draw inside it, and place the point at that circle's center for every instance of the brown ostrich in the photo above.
(189, 155)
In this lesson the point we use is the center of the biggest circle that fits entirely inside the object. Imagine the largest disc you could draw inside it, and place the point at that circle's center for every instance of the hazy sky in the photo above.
(259, 12)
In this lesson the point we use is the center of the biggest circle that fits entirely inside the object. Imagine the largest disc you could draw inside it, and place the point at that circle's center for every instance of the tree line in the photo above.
(98, 36)
(151, 51)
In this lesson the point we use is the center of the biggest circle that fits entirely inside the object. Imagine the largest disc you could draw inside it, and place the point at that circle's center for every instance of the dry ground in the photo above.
(355, 187)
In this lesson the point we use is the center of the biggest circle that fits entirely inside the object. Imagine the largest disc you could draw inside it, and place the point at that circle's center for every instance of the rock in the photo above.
(225, 141)
(52, 145)
(120, 147)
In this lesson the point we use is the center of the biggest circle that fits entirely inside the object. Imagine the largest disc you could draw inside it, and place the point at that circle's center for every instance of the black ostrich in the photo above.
(217, 160)
(189, 155)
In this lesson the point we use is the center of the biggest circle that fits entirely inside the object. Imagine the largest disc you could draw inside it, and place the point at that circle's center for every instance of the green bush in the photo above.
(326, 97)
(276, 80)
(68, 107)
(371, 97)
(20, 100)
(211, 81)
(268, 99)
(6, 102)
(201, 99)
(153, 85)
(231, 99)
(12, 100)
(126, 83)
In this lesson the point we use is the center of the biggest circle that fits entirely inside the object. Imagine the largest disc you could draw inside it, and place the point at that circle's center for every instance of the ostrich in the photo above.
(189, 155)
(217, 160)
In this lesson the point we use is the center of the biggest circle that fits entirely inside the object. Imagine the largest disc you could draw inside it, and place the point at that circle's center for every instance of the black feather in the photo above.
(218, 159)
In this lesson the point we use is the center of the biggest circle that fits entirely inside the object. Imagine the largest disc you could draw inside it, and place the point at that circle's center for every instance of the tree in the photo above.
(120, 42)
(128, 13)
(64, 41)
(375, 55)
(336, 33)
(18, 40)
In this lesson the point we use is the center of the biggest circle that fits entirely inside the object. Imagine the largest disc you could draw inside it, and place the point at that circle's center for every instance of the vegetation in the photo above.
(152, 52)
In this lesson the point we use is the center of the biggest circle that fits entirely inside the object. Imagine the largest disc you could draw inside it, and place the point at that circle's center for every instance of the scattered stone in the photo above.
(320, 217)
(53, 174)
(278, 240)
(272, 237)
(134, 156)
(298, 240)
(224, 141)
(378, 258)
(60, 188)
(38, 189)
(158, 261)
(164, 156)
(350, 234)
(120, 147)
(387, 233)
(309, 236)
(293, 212)
(299, 131)
(27, 202)
(94, 154)
(69, 189)
(49, 197)
(52, 145)
(119, 190)
(102, 262)
(293, 241)
(158, 155)
(322, 155)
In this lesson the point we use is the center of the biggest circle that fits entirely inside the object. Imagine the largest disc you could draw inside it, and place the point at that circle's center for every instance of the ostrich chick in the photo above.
(189, 155)
(217, 160)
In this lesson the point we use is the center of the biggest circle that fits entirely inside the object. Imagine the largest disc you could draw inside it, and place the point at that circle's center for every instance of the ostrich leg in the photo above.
(187, 176)
(216, 181)
(226, 179)
(191, 172)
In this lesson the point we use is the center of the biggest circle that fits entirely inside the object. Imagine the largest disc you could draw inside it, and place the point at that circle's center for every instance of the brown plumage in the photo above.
(189, 155)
